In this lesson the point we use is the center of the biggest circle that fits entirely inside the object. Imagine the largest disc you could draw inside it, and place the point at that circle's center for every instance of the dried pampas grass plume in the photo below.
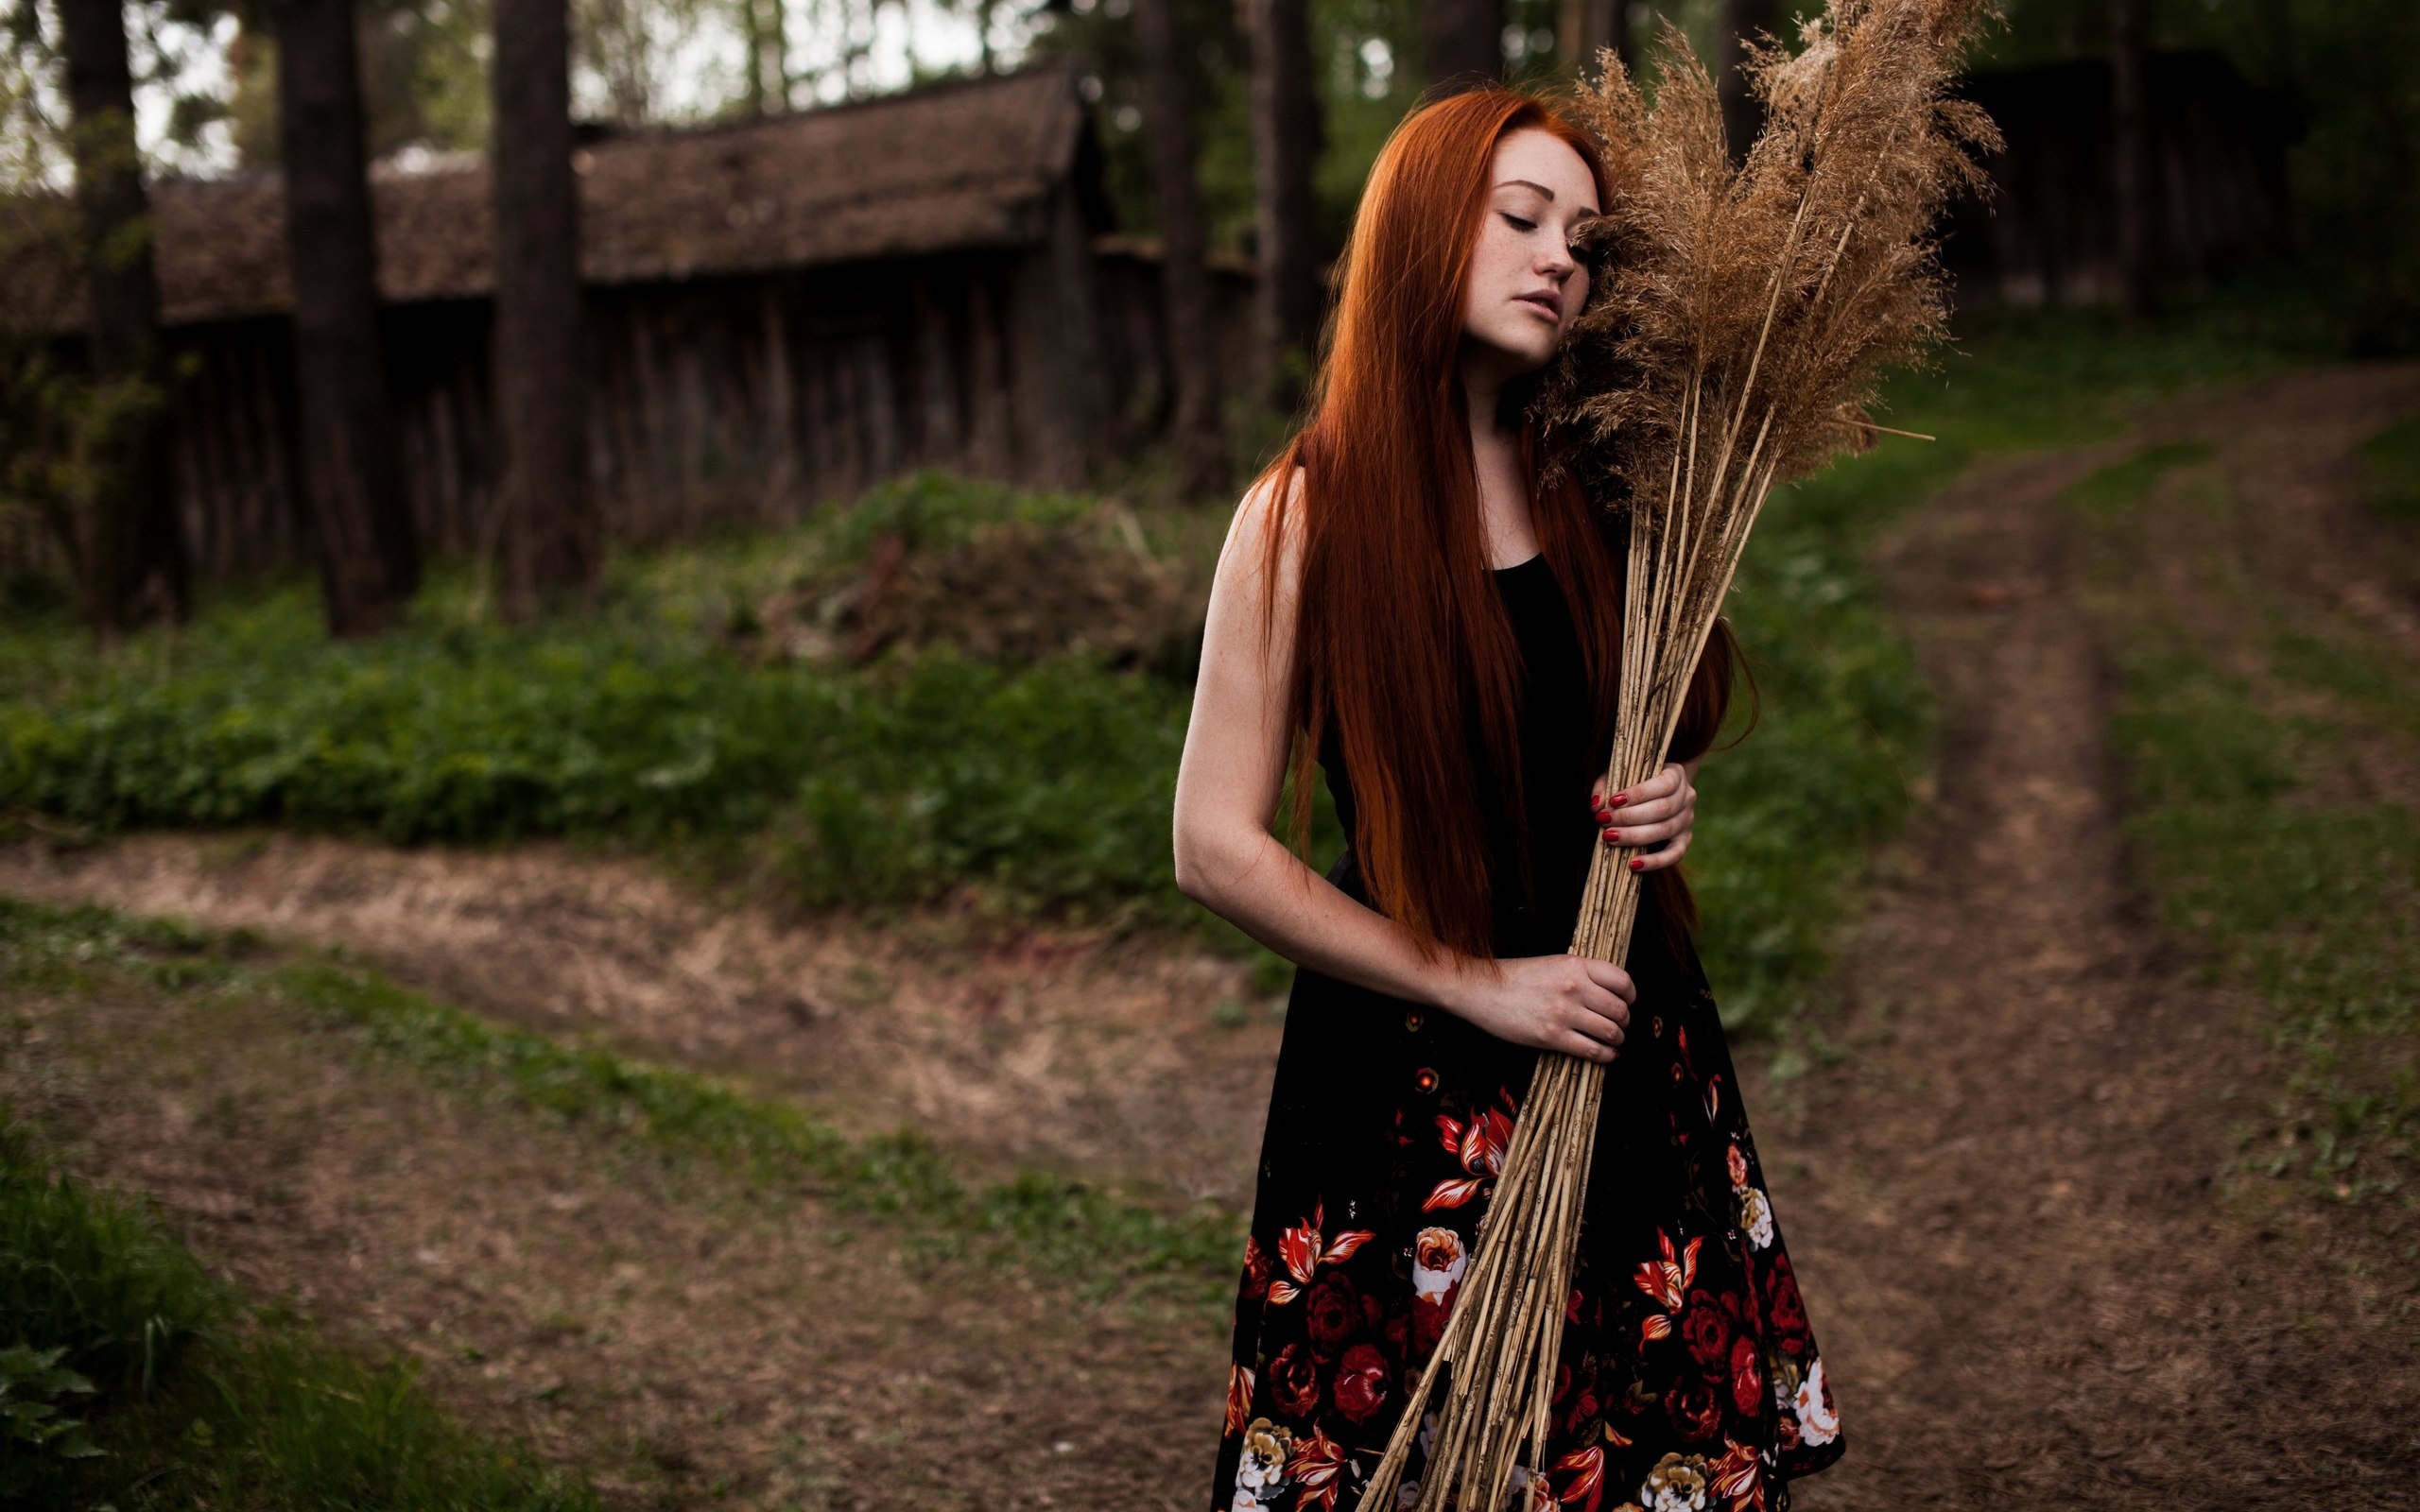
(1739, 323)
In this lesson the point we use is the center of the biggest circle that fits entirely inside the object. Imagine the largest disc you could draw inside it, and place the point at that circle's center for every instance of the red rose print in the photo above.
(1706, 1328)
(1335, 1313)
(1746, 1376)
(1294, 1382)
(1782, 1303)
(1696, 1416)
(1362, 1382)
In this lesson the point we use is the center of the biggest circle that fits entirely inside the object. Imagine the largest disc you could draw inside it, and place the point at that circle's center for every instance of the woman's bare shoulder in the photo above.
(1269, 499)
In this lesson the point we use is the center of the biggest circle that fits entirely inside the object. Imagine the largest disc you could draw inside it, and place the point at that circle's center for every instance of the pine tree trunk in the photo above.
(1463, 41)
(1285, 144)
(1184, 273)
(1586, 27)
(550, 536)
(2131, 178)
(131, 552)
(369, 561)
(1742, 117)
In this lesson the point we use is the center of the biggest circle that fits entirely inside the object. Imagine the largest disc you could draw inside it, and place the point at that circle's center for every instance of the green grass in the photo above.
(2312, 901)
(193, 1397)
(2112, 491)
(1059, 1226)
(2393, 457)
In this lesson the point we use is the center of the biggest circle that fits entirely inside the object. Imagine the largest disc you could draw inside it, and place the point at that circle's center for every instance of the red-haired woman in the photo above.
(1443, 635)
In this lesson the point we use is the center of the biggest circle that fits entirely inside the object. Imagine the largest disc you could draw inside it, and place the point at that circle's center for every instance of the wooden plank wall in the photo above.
(716, 404)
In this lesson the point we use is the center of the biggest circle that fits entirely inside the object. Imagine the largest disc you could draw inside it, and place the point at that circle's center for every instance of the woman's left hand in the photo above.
(1658, 812)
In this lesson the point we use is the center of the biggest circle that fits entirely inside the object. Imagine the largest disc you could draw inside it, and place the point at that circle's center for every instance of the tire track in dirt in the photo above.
(2011, 1202)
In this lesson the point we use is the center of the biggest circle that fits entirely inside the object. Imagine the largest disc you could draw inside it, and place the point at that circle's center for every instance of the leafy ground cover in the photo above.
(2266, 744)
(129, 1378)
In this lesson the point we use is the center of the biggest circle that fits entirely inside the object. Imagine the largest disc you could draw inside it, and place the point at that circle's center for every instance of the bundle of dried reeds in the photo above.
(1741, 321)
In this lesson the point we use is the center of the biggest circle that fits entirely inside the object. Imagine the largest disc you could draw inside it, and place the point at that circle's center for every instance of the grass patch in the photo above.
(1054, 1225)
(184, 1396)
(2393, 458)
(2311, 903)
(2122, 487)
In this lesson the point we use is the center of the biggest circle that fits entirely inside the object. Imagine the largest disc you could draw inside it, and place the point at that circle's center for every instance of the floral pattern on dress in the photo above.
(1689, 1379)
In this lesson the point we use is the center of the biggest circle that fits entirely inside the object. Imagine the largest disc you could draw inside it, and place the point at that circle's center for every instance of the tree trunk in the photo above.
(131, 552)
(1285, 144)
(2131, 178)
(1463, 41)
(1742, 117)
(1184, 273)
(369, 562)
(1586, 27)
(548, 535)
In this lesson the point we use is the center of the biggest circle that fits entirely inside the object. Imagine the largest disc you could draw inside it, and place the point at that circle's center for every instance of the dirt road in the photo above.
(2037, 1276)
(2013, 1195)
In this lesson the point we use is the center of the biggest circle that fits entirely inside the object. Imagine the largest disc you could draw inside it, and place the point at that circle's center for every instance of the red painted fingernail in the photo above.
(1612, 834)
(1620, 798)
(1638, 862)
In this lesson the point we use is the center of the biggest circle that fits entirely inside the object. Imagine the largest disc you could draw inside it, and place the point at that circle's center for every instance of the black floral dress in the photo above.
(1689, 1379)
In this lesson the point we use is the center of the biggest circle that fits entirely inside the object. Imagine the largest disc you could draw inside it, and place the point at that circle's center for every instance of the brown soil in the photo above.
(2014, 1196)
(1059, 1047)
(678, 1338)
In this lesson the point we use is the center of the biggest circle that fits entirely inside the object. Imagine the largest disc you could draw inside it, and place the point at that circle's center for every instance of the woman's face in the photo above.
(1526, 286)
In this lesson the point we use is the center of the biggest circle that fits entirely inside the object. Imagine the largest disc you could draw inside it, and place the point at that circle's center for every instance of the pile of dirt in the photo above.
(1016, 592)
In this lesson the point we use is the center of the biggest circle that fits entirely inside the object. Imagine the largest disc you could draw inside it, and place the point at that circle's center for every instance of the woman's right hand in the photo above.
(1565, 1002)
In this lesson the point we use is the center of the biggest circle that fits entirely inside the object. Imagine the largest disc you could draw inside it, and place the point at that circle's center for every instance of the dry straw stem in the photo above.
(1741, 320)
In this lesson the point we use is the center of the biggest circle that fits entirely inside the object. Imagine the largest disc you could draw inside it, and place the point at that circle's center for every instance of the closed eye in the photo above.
(1516, 222)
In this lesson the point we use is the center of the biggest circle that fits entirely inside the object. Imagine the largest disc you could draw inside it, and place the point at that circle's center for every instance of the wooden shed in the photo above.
(780, 311)
(2220, 197)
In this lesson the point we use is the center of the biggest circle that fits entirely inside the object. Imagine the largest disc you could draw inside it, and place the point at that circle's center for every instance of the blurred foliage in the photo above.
(2346, 78)
(186, 1396)
(61, 428)
(2393, 457)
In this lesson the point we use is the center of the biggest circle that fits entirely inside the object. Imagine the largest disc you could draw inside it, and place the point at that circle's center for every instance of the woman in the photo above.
(1399, 598)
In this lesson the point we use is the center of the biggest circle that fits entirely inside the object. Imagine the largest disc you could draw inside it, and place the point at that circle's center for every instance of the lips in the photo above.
(1548, 303)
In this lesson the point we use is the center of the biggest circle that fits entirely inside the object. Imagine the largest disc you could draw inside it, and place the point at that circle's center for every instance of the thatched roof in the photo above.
(956, 165)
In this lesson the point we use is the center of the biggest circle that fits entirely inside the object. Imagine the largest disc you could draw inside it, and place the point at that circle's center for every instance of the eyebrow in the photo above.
(1546, 193)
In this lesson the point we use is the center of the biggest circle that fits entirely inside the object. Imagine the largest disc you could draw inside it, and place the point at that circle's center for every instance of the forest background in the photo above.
(911, 820)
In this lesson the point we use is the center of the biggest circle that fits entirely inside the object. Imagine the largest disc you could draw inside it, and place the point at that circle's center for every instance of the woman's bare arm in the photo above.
(1226, 793)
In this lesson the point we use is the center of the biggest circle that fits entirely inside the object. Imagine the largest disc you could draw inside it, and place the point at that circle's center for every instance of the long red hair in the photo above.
(1401, 648)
